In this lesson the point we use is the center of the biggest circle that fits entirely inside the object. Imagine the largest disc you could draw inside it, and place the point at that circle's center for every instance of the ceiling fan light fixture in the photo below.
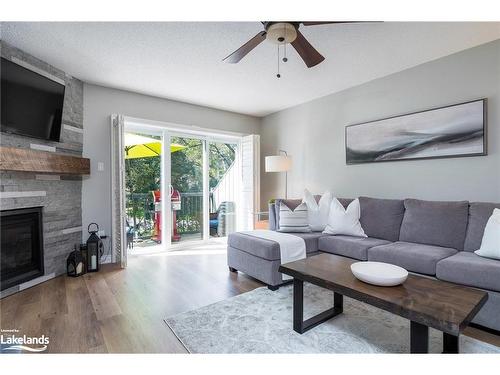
(281, 33)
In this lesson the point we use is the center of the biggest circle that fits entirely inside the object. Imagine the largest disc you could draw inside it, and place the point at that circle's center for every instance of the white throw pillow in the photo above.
(344, 221)
(293, 220)
(490, 244)
(317, 211)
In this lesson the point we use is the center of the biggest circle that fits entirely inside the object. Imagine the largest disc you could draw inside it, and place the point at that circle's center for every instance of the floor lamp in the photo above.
(280, 163)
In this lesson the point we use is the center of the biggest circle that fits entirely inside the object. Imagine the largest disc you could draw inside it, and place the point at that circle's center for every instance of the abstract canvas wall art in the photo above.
(451, 131)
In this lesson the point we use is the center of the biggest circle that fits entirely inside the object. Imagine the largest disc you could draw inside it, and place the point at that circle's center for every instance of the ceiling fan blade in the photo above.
(241, 52)
(316, 23)
(308, 53)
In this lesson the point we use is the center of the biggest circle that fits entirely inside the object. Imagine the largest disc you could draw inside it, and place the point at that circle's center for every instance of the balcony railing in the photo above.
(141, 209)
(190, 216)
(140, 214)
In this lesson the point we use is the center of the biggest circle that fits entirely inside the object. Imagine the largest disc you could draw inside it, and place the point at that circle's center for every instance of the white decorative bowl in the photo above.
(377, 273)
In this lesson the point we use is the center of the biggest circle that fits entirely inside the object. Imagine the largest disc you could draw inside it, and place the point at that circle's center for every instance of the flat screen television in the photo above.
(31, 104)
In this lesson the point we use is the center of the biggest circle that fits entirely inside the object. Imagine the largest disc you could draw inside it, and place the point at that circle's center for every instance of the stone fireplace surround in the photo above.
(59, 195)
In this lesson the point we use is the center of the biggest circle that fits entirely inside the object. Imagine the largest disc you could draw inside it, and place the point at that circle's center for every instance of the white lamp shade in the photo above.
(278, 163)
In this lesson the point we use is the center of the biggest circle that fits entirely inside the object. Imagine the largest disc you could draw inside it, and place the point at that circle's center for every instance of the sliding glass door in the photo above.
(187, 189)
(182, 187)
(142, 154)
(224, 175)
(204, 176)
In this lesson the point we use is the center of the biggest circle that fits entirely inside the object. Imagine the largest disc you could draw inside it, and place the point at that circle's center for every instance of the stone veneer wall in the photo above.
(60, 196)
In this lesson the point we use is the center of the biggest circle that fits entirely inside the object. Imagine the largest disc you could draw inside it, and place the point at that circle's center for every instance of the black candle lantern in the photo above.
(94, 249)
(75, 265)
(83, 251)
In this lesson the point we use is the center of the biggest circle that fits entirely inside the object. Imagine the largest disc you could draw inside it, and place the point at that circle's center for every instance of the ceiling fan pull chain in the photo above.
(278, 75)
(285, 59)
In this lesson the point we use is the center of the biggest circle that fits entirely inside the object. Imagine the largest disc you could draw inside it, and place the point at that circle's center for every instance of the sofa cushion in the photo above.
(272, 217)
(435, 223)
(479, 213)
(470, 269)
(268, 249)
(381, 218)
(345, 201)
(259, 247)
(349, 246)
(411, 256)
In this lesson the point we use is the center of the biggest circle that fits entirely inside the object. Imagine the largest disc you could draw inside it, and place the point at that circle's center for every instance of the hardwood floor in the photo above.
(122, 311)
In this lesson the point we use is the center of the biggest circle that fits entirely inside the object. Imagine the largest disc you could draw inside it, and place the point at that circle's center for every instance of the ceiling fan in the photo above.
(281, 33)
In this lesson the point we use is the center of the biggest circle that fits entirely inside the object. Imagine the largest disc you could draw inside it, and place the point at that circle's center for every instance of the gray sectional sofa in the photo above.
(437, 239)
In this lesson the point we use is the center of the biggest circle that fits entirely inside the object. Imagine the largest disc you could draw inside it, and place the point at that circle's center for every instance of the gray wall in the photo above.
(101, 102)
(313, 133)
(60, 196)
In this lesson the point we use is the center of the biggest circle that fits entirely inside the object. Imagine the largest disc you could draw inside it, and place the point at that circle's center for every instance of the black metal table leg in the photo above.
(450, 344)
(298, 305)
(301, 326)
(338, 302)
(419, 338)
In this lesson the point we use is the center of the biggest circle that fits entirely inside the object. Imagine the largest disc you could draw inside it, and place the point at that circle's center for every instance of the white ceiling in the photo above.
(182, 60)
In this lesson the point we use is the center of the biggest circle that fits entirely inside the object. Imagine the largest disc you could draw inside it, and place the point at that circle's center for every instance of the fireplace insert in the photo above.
(21, 249)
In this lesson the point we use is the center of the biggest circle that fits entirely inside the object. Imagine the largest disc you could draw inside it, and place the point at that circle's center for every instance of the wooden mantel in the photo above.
(28, 160)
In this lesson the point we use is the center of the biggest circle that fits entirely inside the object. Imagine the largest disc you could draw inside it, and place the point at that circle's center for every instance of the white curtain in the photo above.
(119, 236)
(250, 182)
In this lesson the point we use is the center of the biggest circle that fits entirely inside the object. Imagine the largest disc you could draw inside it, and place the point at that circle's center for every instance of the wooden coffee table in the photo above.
(424, 301)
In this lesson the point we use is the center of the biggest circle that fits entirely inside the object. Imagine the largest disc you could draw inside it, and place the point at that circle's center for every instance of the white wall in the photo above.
(101, 102)
(313, 134)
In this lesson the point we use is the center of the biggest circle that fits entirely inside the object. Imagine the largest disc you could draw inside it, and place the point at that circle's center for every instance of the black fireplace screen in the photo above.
(21, 254)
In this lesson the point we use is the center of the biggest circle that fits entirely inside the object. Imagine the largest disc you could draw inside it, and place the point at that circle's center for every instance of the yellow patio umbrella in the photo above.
(139, 146)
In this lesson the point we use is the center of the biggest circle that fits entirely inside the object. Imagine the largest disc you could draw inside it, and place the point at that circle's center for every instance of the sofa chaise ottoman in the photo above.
(437, 239)
(260, 258)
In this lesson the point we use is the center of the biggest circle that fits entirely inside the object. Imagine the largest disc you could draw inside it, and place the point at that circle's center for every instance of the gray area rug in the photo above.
(260, 321)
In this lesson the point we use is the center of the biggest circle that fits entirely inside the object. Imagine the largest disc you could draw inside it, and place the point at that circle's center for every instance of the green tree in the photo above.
(142, 175)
